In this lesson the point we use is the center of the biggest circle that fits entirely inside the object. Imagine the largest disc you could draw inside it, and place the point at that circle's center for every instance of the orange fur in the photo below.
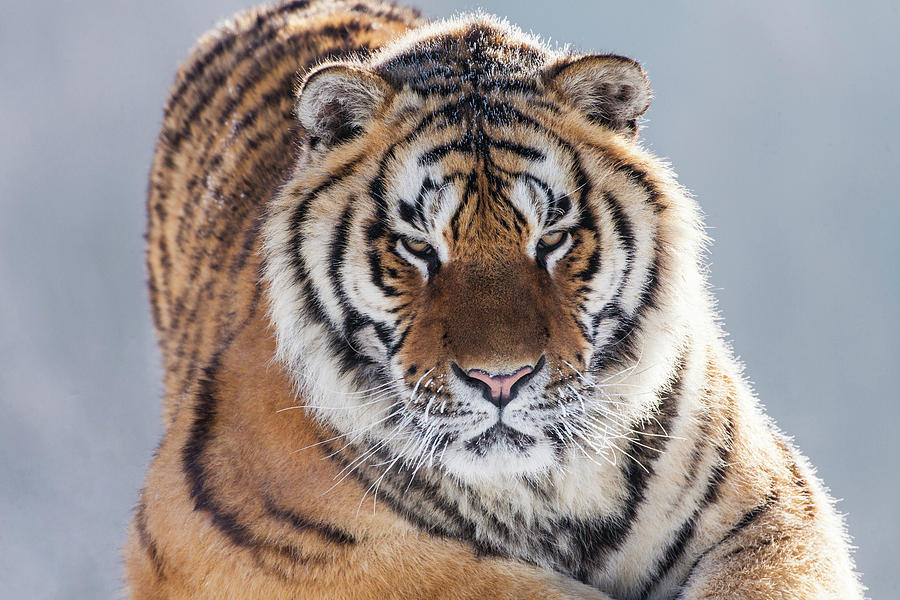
(243, 499)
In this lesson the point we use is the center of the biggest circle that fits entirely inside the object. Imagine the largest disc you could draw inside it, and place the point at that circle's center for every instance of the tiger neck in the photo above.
(522, 516)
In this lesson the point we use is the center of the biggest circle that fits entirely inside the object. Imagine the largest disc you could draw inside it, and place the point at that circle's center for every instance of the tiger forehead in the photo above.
(486, 217)
(478, 56)
(482, 189)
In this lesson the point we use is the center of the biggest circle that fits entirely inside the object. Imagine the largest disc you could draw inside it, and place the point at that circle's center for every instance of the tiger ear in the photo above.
(611, 89)
(338, 101)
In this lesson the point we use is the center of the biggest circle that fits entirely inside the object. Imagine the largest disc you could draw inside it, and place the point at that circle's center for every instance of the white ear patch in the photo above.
(611, 89)
(337, 101)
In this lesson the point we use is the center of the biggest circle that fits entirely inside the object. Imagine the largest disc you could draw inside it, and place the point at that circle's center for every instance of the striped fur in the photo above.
(327, 273)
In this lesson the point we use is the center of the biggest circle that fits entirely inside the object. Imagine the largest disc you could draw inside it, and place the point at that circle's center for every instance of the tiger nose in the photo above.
(500, 388)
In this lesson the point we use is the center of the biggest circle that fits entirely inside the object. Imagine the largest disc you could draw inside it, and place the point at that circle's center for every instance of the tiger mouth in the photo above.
(499, 434)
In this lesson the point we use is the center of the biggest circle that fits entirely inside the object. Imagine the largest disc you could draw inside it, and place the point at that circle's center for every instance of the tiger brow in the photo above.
(413, 211)
(556, 206)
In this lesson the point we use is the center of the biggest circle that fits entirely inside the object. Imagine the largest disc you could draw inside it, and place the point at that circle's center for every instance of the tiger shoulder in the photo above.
(435, 325)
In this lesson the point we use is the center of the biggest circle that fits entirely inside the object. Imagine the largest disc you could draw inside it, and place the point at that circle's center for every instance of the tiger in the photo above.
(434, 324)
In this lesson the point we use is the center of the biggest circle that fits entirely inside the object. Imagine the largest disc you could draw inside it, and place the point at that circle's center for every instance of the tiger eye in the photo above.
(553, 239)
(416, 246)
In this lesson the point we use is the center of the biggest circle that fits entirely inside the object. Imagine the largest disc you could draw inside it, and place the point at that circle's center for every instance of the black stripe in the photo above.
(374, 258)
(413, 212)
(153, 293)
(751, 516)
(746, 520)
(622, 344)
(438, 152)
(194, 465)
(312, 302)
(623, 229)
(428, 186)
(400, 341)
(593, 265)
(408, 214)
(246, 249)
(377, 228)
(353, 319)
(593, 540)
(586, 218)
(702, 440)
(189, 337)
(513, 148)
(408, 496)
(332, 533)
(147, 541)
(502, 115)
(798, 479)
(338, 250)
(677, 547)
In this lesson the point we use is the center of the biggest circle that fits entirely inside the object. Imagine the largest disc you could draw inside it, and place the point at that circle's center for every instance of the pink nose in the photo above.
(500, 385)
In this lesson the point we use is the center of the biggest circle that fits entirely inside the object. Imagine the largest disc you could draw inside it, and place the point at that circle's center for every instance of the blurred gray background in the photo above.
(782, 117)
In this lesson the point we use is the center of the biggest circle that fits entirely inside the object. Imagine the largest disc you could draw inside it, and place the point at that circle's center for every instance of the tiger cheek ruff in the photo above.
(434, 325)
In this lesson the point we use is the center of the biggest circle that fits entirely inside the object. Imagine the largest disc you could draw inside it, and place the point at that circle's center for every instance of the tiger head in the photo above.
(474, 263)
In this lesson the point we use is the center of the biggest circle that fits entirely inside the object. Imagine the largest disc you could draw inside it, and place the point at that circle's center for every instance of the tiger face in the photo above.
(458, 261)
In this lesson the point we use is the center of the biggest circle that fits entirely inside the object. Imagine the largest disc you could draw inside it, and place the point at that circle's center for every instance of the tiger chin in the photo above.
(434, 325)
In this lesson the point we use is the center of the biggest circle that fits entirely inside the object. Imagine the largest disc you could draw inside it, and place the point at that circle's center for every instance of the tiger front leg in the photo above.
(774, 553)
(420, 566)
